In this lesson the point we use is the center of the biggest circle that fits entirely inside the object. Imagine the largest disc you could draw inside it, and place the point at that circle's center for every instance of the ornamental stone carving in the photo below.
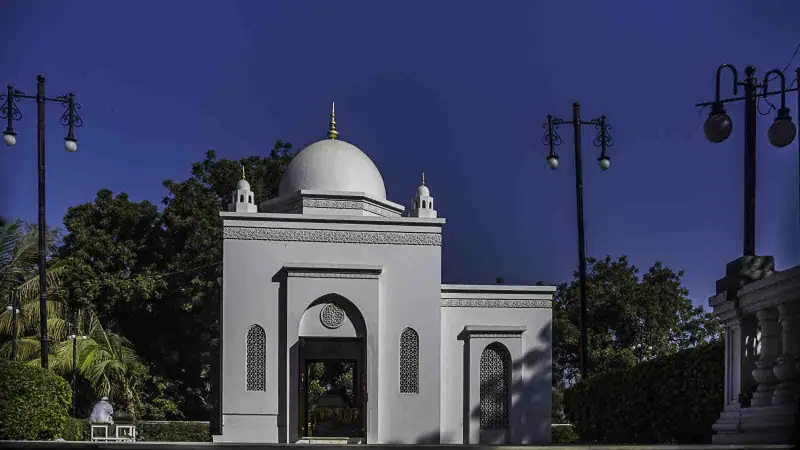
(332, 316)
(345, 275)
(497, 335)
(492, 303)
(331, 236)
(348, 204)
(495, 384)
(324, 203)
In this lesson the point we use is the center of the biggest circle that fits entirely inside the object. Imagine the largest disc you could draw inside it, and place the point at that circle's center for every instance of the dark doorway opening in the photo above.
(332, 388)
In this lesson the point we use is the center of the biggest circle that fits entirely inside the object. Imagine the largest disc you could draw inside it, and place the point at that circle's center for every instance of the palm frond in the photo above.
(29, 289)
(28, 318)
(28, 349)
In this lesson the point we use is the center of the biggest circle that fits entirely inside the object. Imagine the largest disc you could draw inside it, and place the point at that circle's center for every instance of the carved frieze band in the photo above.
(331, 236)
(492, 303)
(347, 204)
(347, 275)
(334, 204)
(497, 335)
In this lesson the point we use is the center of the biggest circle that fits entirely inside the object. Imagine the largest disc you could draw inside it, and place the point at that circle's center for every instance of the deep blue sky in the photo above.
(456, 89)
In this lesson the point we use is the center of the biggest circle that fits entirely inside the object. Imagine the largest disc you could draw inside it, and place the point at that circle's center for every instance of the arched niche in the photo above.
(332, 316)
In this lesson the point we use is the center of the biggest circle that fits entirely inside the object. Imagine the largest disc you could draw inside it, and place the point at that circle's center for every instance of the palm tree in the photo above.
(19, 285)
(106, 359)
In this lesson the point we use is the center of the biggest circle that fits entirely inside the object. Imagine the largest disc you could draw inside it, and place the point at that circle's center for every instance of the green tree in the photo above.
(193, 255)
(331, 378)
(135, 265)
(630, 318)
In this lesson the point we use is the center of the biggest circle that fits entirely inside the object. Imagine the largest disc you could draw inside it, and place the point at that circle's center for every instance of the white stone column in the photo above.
(787, 368)
(770, 341)
(734, 353)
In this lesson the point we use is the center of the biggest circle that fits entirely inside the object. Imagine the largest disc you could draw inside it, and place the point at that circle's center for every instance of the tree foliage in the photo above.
(667, 400)
(19, 286)
(135, 264)
(33, 402)
(630, 318)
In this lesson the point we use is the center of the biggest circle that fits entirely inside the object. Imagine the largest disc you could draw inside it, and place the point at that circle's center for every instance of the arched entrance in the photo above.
(333, 360)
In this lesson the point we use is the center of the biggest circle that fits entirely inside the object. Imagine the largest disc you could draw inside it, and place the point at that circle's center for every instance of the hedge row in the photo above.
(671, 400)
(33, 402)
(173, 432)
(80, 430)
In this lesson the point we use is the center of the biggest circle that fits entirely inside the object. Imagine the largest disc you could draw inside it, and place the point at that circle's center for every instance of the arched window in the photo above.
(241, 198)
(256, 359)
(495, 376)
(409, 362)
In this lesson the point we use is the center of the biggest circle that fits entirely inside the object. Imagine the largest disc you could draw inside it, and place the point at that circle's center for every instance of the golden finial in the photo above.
(243, 172)
(423, 179)
(332, 133)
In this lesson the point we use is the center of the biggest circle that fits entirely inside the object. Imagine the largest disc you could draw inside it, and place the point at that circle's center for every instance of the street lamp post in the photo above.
(781, 133)
(604, 141)
(70, 119)
(717, 128)
(74, 338)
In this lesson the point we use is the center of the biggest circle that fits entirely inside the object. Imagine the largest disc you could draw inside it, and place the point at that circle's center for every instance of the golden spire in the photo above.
(243, 172)
(423, 179)
(332, 133)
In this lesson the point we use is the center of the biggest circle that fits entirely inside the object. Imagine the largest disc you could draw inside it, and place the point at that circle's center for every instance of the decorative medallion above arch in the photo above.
(332, 316)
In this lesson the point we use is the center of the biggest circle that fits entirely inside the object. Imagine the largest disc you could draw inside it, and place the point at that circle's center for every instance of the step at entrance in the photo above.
(332, 440)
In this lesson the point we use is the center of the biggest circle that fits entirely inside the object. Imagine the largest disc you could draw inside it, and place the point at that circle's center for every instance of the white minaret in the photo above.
(242, 197)
(422, 204)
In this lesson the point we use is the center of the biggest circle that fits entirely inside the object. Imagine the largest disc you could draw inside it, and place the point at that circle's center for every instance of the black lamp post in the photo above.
(74, 338)
(781, 133)
(604, 141)
(70, 119)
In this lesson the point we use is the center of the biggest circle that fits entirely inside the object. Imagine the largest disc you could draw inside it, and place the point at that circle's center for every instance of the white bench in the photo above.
(122, 433)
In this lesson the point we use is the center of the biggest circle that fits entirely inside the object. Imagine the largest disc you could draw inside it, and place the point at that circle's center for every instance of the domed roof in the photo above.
(242, 185)
(423, 190)
(332, 165)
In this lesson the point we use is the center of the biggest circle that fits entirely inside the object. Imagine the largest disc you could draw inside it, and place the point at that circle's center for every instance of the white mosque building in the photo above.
(333, 272)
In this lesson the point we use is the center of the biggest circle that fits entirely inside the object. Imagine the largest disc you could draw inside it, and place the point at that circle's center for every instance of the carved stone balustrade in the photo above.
(760, 308)
(787, 369)
(768, 354)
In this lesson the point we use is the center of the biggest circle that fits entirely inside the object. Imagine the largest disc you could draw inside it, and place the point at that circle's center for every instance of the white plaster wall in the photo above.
(408, 294)
(531, 393)
(247, 416)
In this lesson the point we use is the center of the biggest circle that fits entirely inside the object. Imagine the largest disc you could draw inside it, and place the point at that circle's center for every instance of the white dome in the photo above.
(332, 165)
(423, 191)
(243, 185)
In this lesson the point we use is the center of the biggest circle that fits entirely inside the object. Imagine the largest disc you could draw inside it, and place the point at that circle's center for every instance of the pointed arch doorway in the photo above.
(333, 372)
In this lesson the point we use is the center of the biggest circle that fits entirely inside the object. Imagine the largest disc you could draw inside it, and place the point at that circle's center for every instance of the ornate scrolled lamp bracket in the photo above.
(10, 112)
(603, 139)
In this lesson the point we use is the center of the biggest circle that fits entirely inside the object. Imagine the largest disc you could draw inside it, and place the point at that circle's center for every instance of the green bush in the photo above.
(563, 434)
(33, 402)
(76, 430)
(173, 432)
(671, 400)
